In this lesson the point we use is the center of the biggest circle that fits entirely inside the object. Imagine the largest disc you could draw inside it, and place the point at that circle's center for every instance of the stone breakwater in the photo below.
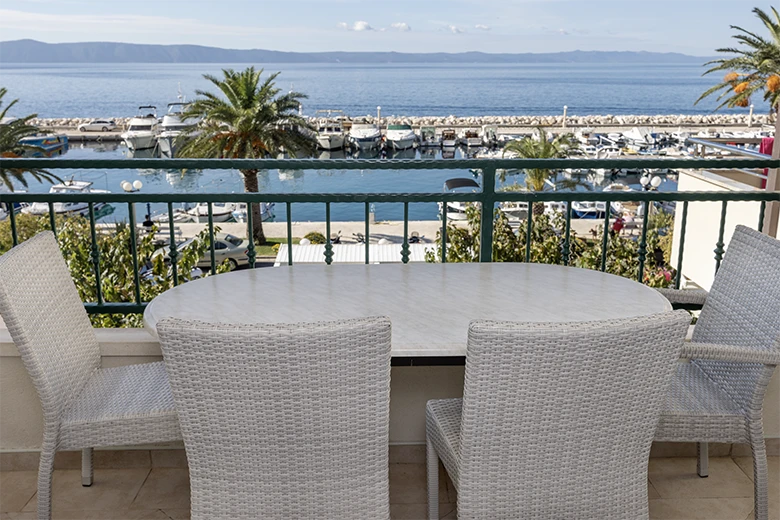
(512, 121)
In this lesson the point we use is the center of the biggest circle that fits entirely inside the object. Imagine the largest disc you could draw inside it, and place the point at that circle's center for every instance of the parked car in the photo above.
(98, 125)
(226, 247)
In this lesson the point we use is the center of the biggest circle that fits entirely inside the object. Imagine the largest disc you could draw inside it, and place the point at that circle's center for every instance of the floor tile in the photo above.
(177, 514)
(112, 489)
(677, 478)
(418, 511)
(164, 488)
(169, 459)
(651, 492)
(409, 485)
(700, 508)
(111, 514)
(773, 463)
(16, 489)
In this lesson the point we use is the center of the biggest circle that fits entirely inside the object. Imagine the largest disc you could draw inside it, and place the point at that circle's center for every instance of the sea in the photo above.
(116, 90)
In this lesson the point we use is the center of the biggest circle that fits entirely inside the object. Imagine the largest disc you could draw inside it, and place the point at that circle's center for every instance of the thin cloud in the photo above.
(358, 26)
(401, 26)
(482, 27)
(563, 31)
(454, 29)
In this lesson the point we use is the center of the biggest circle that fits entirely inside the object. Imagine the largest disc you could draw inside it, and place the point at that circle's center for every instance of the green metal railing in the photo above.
(487, 198)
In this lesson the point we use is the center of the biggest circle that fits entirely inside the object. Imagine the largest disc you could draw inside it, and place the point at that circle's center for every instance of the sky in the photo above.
(695, 27)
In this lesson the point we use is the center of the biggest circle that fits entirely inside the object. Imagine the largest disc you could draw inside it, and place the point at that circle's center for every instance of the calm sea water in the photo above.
(116, 90)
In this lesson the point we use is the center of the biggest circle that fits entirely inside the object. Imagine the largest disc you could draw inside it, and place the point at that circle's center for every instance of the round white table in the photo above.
(430, 305)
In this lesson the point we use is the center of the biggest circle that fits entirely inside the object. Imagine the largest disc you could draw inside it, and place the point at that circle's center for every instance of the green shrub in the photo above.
(315, 237)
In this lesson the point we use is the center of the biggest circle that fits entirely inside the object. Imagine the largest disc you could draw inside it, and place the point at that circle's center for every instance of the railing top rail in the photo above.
(393, 164)
(592, 196)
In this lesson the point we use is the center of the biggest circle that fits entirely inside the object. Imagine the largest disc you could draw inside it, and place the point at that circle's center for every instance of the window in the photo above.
(219, 245)
(233, 240)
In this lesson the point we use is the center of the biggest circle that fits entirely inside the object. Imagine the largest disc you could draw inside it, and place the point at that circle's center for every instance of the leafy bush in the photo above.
(315, 237)
(116, 262)
(547, 240)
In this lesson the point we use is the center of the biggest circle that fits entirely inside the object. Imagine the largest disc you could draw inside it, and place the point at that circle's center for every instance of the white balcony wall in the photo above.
(703, 224)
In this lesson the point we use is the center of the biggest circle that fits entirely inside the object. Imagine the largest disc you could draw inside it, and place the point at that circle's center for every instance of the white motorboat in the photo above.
(266, 211)
(330, 132)
(365, 136)
(171, 128)
(456, 210)
(471, 138)
(449, 139)
(200, 213)
(428, 137)
(514, 210)
(142, 131)
(489, 135)
(400, 137)
(67, 208)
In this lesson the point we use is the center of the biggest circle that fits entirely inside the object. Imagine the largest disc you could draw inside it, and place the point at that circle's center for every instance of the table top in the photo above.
(429, 305)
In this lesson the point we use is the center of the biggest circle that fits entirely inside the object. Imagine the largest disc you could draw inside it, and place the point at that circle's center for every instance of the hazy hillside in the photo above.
(31, 51)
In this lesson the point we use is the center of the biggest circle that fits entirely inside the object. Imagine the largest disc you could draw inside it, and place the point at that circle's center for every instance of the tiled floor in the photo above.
(675, 492)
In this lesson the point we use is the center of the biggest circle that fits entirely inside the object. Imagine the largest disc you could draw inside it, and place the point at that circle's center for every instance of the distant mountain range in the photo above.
(32, 51)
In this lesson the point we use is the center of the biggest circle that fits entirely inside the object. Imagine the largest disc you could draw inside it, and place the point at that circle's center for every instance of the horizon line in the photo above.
(357, 52)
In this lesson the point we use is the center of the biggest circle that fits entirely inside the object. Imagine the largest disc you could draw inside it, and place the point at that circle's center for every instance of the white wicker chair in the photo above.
(84, 406)
(556, 419)
(283, 421)
(718, 396)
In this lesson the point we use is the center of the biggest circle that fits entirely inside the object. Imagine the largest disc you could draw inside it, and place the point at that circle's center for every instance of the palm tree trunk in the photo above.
(251, 186)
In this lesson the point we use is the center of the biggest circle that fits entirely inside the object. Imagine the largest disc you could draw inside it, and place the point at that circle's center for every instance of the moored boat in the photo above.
(330, 132)
(365, 136)
(142, 130)
(171, 128)
(400, 137)
(67, 208)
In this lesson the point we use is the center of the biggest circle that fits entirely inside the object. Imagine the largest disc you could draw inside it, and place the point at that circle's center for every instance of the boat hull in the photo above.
(139, 140)
(401, 144)
(330, 142)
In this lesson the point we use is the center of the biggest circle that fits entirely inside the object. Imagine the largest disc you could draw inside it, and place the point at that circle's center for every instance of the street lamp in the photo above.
(650, 184)
(135, 187)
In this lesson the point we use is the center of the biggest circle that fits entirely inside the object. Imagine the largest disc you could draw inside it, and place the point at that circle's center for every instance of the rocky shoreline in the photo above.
(671, 120)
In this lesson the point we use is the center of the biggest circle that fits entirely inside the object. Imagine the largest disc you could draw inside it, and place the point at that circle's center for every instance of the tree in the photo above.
(547, 246)
(755, 68)
(537, 179)
(12, 131)
(252, 121)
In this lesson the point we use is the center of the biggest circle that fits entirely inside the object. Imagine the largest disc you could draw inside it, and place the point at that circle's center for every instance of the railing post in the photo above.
(721, 230)
(95, 253)
(683, 225)
(173, 253)
(529, 231)
(250, 230)
(487, 201)
(643, 242)
(212, 254)
(289, 234)
(567, 235)
(405, 246)
(134, 251)
(328, 243)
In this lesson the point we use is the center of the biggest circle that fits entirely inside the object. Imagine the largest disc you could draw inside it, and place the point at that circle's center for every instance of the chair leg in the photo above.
(760, 479)
(86, 467)
(703, 459)
(433, 482)
(45, 469)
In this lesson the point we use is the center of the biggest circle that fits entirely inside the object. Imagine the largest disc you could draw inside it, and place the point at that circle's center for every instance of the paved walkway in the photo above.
(162, 490)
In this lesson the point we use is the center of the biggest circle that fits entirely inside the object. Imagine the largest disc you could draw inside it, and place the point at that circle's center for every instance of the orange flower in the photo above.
(773, 83)
(742, 102)
(742, 87)
(731, 76)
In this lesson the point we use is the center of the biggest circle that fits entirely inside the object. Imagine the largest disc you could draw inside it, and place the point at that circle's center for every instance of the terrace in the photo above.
(152, 481)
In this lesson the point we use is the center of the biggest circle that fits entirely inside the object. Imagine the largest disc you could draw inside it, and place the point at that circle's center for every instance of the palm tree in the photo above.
(12, 131)
(537, 179)
(252, 121)
(755, 68)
